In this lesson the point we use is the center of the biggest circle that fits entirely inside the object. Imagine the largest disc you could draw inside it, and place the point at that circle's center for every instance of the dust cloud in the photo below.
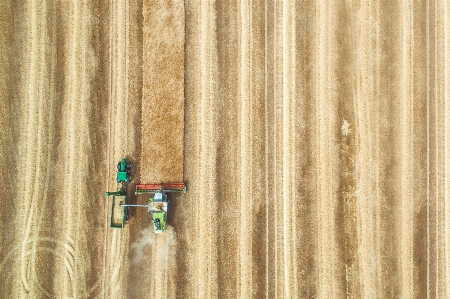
(153, 255)
(147, 238)
(142, 245)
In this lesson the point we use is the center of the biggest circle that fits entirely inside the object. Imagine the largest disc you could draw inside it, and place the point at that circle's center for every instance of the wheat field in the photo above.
(313, 138)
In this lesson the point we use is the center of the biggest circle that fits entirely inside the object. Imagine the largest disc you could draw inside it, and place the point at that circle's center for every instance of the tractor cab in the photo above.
(123, 171)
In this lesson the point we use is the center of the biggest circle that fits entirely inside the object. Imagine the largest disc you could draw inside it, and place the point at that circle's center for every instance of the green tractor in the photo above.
(123, 171)
(119, 214)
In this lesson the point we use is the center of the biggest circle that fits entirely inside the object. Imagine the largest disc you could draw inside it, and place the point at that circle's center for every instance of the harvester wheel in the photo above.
(118, 166)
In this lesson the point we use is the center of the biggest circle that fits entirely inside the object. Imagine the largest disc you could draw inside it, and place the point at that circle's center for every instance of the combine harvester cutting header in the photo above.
(157, 203)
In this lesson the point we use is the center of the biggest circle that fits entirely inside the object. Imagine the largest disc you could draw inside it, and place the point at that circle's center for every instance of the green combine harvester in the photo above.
(158, 201)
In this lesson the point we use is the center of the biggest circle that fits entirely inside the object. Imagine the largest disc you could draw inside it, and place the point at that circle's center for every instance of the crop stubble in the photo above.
(350, 187)
(316, 151)
(59, 119)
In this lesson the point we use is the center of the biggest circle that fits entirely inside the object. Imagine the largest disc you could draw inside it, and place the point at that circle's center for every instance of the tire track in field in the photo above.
(348, 91)
(244, 130)
(278, 198)
(51, 256)
(326, 154)
(406, 126)
(437, 150)
(79, 67)
(201, 141)
(40, 89)
(447, 145)
(206, 255)
(119, 61)
(438, 283)
(257, 142)
(269, 186)
(363, 275)
(38, 142)
(8, 126)
(376, 283)
(442, 286)
(162, 263)
(278, 261)
(390, 152)
(419, 127)
(432, 72)
(192, 67)
(31, 145)
(305, 181)
(66, 284)
(287, 149)
(278, 143)
(47, 97)
(115, 246)
(284, 139)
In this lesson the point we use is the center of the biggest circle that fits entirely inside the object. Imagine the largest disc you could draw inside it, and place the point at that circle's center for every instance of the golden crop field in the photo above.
(313, 137)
